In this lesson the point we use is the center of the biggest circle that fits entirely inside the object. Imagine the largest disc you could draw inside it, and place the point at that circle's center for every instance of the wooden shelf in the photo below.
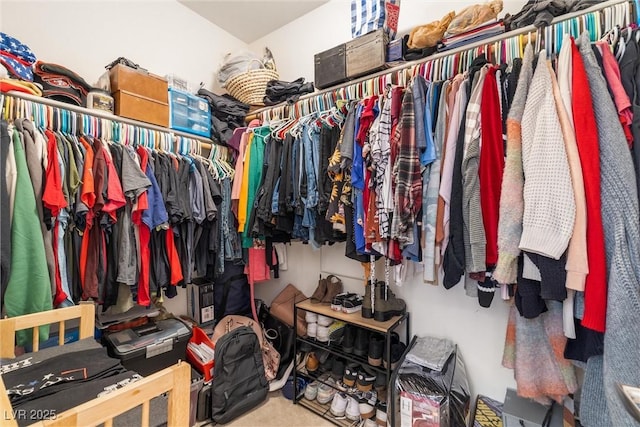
(353, 318)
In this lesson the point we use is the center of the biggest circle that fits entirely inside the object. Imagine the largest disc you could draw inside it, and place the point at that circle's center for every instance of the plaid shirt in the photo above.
(407, 175)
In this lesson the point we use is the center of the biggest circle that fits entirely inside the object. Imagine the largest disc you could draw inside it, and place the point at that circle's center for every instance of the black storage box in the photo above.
(197, 381)
(330, 67)
(366, 54)
(151, 347)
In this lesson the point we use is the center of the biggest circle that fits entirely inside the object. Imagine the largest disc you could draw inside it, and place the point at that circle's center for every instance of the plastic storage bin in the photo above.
(150, 347)
(189, 113)
(199, 336)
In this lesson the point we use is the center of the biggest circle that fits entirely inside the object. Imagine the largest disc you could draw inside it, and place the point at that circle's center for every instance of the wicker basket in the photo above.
(250, 87)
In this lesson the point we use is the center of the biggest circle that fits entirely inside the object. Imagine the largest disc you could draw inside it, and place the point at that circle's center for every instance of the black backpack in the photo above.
(239, 384)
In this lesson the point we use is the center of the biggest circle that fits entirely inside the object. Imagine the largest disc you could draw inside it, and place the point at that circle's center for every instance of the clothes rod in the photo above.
(204, 142)
(407, 65)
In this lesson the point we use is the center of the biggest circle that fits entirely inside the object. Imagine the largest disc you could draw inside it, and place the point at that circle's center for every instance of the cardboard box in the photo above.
(123, 78)
(200, 301)
(141, 108)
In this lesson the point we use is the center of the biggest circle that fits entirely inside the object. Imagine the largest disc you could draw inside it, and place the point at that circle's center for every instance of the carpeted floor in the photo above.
(277, 411)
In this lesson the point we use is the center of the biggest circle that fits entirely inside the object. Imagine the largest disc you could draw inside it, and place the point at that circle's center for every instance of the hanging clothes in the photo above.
(28, 260)
(621, 222)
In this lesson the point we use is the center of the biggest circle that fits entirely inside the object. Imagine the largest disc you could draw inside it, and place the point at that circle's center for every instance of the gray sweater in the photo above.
(601, 405)
(475, 242)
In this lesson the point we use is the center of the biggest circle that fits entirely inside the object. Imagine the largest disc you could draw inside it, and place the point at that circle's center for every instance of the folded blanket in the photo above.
(29, 359)
(59, 373)
(52, 405)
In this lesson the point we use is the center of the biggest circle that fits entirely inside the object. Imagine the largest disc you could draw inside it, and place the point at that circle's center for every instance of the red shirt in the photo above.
(595, 293)
(491, 163)
(115, 195)
(144, 297)
(53, 197)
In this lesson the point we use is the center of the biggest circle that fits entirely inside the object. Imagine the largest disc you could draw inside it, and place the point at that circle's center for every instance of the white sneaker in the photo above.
(312, 329)
(370, 423)
(322, 333)
(367, 404)
(339, 404)
(311, 317)
(353, 409)
(325, 393)
(324, 320)
(311, 391)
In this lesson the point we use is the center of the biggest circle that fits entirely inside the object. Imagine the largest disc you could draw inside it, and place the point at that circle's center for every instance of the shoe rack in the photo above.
(385, 328)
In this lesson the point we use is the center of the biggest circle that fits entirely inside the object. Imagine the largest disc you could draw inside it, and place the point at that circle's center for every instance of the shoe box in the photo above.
(150, 347)
(200, 302)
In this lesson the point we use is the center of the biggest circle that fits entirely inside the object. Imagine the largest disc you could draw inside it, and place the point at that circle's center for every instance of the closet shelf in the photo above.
(353, 318)
(206, 143)
(408, 65)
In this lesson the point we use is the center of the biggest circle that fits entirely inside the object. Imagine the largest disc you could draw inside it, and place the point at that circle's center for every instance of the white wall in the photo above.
(435, 311)
(162, 36)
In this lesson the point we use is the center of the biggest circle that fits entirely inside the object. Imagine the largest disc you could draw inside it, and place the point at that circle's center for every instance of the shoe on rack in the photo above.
(311, 391)
(371, 422)
(322, 355)
(365, 379)
(320, 292)
(381, 414)
(337, 370)
(305, 347)
(334, 287)
(376, 348)
(327, 365)
(336, 330)
(397, 350)
(386, 304)
(367, 404)
(361, 346)
(311, 317)
(312, 362)
(312, 330)
(336, 302)
(352, 304)
(324, 320)
(325, 392)
(350, 374)
(367, 310)
(380, 386)
(323, 334)
(339, 404)
(348, 339)
(353, 409)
